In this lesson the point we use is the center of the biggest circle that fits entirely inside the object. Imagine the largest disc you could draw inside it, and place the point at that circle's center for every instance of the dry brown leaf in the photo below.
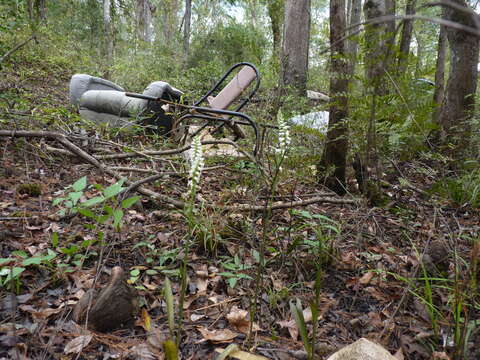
(437, 355)
(242, 355)
(399, 354)
(291, 327)
(143, 352)
(307, 314)
(196, 317)
(217, 336)
(146, 320)
(240, 319)
(77, 344)
(156, 338)
(40, 314)
(365, 279)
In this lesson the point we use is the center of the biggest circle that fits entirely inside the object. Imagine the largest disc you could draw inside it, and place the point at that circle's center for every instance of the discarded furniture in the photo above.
(212, 110)
(103, 101)
(220, 108)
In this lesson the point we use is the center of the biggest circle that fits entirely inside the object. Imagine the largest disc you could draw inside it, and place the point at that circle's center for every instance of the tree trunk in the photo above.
(296, 39)
(107, 22)
(169, 17)
(352, 44)
(406, 37)
(440, 73)
(186, 29)
(335, 153)
(375, 56)
(276, 9)
(374, 49)
(144, 11)
(459, 101)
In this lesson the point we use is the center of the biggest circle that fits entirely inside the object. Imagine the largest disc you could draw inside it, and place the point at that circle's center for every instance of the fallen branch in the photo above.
(291, 204)
(62, 139)
(15, 48)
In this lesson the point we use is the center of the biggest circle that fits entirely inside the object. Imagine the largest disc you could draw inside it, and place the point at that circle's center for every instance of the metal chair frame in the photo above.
(222, 117)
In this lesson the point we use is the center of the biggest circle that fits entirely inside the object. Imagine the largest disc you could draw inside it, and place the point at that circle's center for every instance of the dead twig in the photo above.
(15, 48)
(62, 139)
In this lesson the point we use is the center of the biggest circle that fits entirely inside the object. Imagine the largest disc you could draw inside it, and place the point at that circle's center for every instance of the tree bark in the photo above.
(440, 73)
(169, 16)
(406, 37)
(458, 104)
(107, 23)
(335, 153)
(374, 52)
(352, 44)
(276, 9)
(144, 11)
(296, 40)
(186, 29)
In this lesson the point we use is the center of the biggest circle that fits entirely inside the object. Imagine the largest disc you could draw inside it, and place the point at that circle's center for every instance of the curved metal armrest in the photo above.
(203, 113)
(224, 77)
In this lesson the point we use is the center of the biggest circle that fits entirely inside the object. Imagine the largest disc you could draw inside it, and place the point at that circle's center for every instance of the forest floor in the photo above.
(393, 274)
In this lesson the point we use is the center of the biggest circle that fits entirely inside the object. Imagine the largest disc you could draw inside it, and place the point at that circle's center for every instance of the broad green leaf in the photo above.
(117, 218)
(51, 255)
(57, 201)
(12, 273)
(80, 184)
(102, 219)
(87, 213)
(34, 260)
(75, 196)
(232, 282)
(20, 253)
(5, 260)
(130, 201)
(135, 272)
(70, 250)
(93, 201)
(55, 239)
(108, 209)
(114, 189)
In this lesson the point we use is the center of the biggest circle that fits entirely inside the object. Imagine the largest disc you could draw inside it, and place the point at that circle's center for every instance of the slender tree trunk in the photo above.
(296, 40)
(169, 15)
(144, 11)
(107, 22)
(186, 29)
(440, 73)
(352, 44)
(375, 58)
(374, 50)
(276, 9)
(335, 153)
(459, 101)
(406, 37)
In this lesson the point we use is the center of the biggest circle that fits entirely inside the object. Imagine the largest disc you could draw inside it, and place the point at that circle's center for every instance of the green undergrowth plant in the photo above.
(278, 158)
(102, 213)
(461, 190)
(450, 301)
(190, 213)
(324, 233)
(235, 270)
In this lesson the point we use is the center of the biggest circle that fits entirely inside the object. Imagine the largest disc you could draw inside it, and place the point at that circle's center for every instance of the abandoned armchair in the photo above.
(105, 102)
(102, 101)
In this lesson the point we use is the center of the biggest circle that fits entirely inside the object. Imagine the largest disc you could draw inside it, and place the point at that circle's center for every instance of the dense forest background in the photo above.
(372, 220)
